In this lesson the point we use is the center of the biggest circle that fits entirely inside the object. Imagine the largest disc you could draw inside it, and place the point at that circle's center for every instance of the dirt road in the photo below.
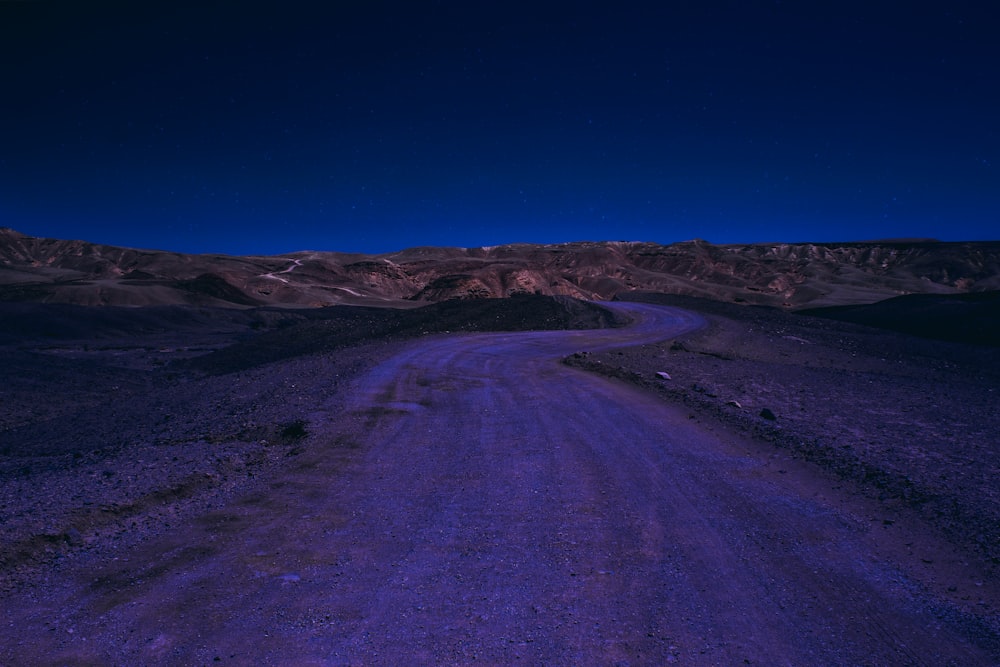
(477, 502)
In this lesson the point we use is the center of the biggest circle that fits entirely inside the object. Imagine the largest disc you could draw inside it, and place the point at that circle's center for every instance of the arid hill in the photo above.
(776, 274)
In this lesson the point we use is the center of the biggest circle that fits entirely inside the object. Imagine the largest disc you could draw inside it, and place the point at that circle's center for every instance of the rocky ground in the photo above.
(116, 422)
(116, 426)
(911, 420)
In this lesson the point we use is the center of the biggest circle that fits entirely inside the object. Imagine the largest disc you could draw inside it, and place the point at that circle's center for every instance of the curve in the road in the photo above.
(479, 502)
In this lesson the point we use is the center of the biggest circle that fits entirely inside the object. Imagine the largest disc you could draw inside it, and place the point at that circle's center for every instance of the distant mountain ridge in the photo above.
(792, 275)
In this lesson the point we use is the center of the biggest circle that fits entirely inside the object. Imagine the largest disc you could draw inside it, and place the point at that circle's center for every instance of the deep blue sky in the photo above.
(373, 126)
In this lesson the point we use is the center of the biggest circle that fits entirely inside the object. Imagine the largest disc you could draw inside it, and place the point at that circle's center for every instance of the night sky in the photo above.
(373, 126)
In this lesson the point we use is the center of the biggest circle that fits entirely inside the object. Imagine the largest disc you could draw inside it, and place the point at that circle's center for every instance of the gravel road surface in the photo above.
(476, 501)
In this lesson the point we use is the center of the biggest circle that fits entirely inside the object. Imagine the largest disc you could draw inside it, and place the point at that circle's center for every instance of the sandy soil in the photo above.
(467, 498)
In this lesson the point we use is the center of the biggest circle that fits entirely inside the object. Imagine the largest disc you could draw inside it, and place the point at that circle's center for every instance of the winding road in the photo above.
(479, 502)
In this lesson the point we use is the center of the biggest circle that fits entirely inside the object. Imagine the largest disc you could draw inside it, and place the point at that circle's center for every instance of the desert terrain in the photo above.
(657, 479)
(786, 275)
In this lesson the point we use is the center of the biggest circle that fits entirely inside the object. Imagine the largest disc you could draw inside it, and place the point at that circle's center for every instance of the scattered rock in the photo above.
(663, 375)
(73, 537)
(767, 414)
(735, 404)
(295, 430)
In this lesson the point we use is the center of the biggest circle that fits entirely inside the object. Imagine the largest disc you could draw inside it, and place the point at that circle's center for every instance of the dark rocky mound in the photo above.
(215, 287)
(38, 322)
(326, 329)
(964, 318)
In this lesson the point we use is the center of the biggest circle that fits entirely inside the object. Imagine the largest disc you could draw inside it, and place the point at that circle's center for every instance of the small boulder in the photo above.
(735, 404)
(767, 414)
(73, 537)
(663, 375)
